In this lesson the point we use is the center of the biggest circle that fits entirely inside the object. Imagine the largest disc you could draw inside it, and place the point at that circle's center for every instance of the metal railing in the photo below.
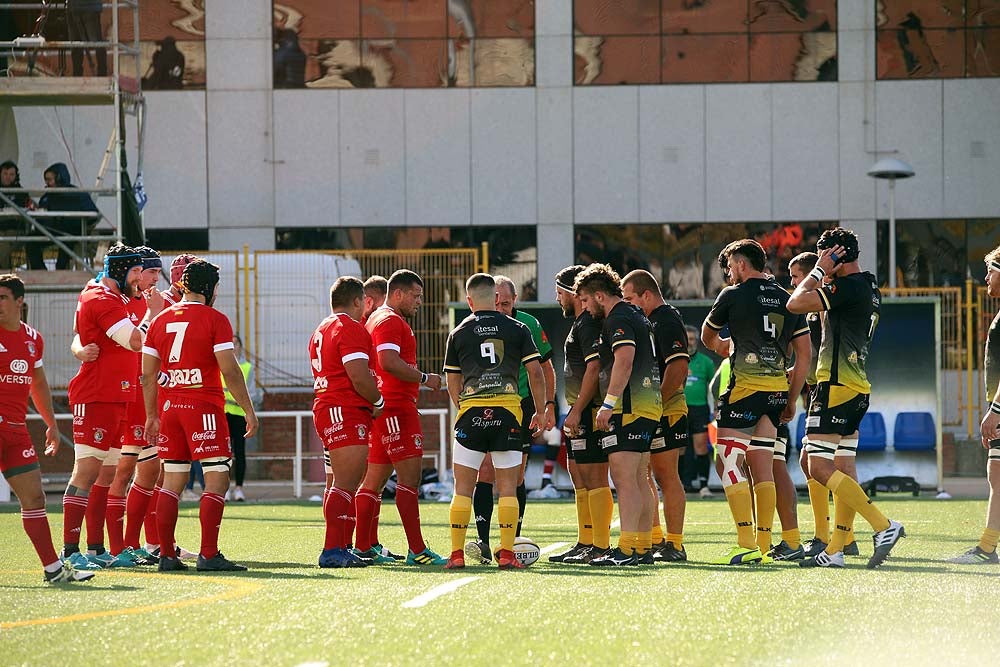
(300, 454)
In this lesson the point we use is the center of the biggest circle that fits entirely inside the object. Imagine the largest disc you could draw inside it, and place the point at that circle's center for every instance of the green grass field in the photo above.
(916, 610)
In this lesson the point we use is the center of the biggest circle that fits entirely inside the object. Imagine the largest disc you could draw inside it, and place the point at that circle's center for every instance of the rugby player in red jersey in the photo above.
(21, 374)
(396, 437)
(347, 398)
(188, 345)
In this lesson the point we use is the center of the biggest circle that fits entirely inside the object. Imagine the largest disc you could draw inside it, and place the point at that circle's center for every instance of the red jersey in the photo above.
(20, 354)
(111, 378)
(337, 340)
(389, 331)
(185, 339)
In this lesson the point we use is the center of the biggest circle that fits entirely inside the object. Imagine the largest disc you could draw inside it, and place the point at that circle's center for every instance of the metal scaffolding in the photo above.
(27, 85)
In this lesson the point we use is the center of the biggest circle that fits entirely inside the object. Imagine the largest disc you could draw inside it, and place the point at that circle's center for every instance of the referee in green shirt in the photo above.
(697, 392)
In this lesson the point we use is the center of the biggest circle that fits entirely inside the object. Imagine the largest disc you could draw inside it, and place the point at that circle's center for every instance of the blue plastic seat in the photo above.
(914, 432)
(872, 433)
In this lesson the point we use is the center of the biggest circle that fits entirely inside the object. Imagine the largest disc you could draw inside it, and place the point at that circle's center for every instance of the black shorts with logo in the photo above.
(746, 412)
(636, 436)
(586, 446)
(842, 419)
(669, 437)
(488, 430)
(697, 419)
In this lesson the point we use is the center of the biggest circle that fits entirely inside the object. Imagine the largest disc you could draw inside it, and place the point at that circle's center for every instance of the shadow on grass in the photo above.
(82, 586)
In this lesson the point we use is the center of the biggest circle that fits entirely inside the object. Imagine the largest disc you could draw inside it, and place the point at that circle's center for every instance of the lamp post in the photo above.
(890, 169)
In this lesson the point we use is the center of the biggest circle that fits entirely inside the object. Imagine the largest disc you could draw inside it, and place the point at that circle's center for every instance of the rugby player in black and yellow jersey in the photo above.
(483, 357)
(762, 332)
(671, 438)
(630, 410)
(851, 300)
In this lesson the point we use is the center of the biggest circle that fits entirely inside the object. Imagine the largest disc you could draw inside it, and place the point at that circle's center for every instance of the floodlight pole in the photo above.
(890, 169)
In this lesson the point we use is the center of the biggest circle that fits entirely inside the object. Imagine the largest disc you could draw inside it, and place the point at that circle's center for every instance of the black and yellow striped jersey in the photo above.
(853, 304)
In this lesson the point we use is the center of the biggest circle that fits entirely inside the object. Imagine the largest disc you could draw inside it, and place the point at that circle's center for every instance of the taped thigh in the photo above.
(114, 456)
(504, 460)
(822, 449)
(87, 451)
(131, 450)
(327, 466)
(177, 466)
(729, 451)
(781, 449)
(470, 458)
(216, 464)
(847, 447)
(761, 444)
(146, 454)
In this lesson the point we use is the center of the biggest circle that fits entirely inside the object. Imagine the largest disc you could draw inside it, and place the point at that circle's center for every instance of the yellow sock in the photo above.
(602, 506)
(792, 537)
(740, 504)
(852, 494)
(628, 541)
(644, 541)
(677, 539)
(766, 497)
(819, 498)
(507, 511)
(461, 510)
(584, 524)
(843, 521)
(657, 534)
(988, 542)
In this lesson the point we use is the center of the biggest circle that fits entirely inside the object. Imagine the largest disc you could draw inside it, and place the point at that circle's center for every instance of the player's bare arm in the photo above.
(711, 339)
(150, 387)
(674, 378)
(539, 393)
(806, 298)
(85, 353)
(237, 386)
(802, 349)
(391, 362)
(454, 387)
(549, 374)
(588, 390)
(620, 371)
(989, 428)
(41, 396)
(364, 383)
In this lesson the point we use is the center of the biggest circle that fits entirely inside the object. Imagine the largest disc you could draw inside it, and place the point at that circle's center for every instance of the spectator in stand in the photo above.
(57, 176)
(10, 177)
(84, 20)
(167, 67)
(289, 60)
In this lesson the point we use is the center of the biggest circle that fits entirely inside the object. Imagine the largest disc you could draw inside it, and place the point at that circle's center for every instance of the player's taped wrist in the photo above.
(817, 273)
(380, 403)
(995, 407)
(423, 378)
(610, 401)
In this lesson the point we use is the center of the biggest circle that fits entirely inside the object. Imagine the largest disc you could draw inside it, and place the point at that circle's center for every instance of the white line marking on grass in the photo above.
(313, 664)
(617, 523)
(437, 592)
(552, 547)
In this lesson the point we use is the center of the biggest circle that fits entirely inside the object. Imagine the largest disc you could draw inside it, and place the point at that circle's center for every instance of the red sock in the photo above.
(74, 509)
(326, 501)
(116, 524)
(150, 524)
(166, 520)
(97, 511)
(547, 469)
(365, 503)
(210, 512)
(136, 505)
(408, 506)
(36, 525)
(339, 517)
(375, 519)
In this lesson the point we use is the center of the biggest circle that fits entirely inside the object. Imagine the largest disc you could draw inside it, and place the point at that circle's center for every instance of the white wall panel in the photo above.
(240, 173)
(857, 141)
(372, 173)
(606, 154)
(238, 20)
(238, 64)
(555, 155)
(437, 158)
(503, 156)
(738, 160)
(671, 153)
(972, 147)
(306, 158)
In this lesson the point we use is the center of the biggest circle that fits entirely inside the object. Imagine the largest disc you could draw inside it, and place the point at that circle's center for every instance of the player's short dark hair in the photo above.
(807, 260)
(201, 277)
(14, 283)
(641, 281)
(748, 249)
(479, 281)
(345, 290)
(566, 277)
(403, 279)
(842, 237)
(993, 255)
(376, 286)
(599, 278)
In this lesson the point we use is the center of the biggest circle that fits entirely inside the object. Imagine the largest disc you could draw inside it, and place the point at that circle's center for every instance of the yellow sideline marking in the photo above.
(238, 589)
